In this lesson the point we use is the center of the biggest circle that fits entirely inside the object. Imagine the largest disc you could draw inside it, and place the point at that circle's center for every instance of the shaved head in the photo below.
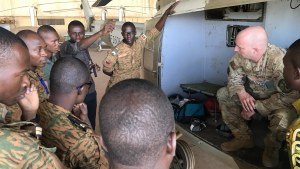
(67, 74)
(252, 43)
(136, 119)
(7, 41)
(256, 36)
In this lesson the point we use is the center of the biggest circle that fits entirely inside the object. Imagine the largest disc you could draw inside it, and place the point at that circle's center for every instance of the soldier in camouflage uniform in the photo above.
(51, 38)
(77, 47)
(291, 73)
(255, 84)
(38, 59)
(18, 149)
(65, 128)
(124, 62)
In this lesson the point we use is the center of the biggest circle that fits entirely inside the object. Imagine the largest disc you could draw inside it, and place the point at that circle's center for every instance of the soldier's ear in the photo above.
(79, 90)
(103, 145)
(297, 73)
(171, 144)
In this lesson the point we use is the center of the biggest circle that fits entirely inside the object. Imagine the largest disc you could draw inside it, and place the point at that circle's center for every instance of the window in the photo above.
(51, 22)
(250, 12)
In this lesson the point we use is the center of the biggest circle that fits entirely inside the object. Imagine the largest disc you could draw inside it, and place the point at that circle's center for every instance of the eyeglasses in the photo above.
(87, 83)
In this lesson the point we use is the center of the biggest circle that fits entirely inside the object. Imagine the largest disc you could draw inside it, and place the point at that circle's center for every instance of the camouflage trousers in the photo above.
(280, 117)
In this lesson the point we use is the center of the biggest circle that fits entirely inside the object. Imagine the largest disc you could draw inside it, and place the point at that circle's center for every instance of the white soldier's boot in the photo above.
(270, 156)
(238, 142)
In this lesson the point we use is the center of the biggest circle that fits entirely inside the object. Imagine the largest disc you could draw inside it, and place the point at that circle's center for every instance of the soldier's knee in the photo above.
(281, 119)
(222, 94)
(288, 115)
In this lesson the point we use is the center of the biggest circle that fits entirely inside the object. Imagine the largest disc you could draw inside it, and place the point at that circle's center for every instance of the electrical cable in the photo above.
(293, 7)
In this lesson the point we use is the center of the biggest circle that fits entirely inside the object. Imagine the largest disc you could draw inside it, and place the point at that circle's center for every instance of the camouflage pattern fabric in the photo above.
(20, 150)
(5, 115)
(126, 62)
(75, 147)
(262, 80)
(49, 65)
(15, 111)
(33, 77)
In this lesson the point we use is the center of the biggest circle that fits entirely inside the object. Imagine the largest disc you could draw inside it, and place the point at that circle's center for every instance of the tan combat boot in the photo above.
(238, 143)
(270, 156)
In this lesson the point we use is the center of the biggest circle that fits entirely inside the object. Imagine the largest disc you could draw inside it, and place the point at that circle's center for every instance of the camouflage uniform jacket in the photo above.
(49, 65)
(76, 147)
(18, 149)
(8, 116)
(263, 80)
(15, 111)
(126, 62)
(69, 49)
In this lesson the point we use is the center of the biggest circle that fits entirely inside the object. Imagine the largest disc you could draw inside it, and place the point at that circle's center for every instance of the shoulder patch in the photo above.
(283, 87)
(233, 65)
(143, 37)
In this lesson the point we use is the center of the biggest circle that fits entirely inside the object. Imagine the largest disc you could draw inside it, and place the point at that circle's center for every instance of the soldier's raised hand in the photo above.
(171, 10)
(108, 27)
(29, 104)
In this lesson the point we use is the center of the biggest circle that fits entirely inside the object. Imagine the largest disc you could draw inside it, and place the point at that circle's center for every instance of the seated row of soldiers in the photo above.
(57, 116)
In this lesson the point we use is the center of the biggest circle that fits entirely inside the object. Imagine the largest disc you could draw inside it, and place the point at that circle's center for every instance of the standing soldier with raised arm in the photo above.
(77, 47)
(124, 62)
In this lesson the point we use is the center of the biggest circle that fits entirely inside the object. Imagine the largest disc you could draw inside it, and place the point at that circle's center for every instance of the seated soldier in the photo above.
(70, 131)
(256, 85)
(38, 58)
(291, 73)
(18, 149)
(137, 126)
(51, 38)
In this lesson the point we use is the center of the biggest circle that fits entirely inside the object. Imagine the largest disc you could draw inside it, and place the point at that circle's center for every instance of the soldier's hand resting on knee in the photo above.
(247, 101)
(247, 114)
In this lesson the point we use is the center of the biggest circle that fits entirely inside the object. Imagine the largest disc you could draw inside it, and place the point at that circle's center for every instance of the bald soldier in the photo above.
(18, 149)
(256, 85)
(124, 62)
(137, 126)
(64, 117)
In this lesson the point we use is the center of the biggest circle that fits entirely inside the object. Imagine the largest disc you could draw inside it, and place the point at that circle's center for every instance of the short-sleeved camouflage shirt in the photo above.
(76, 147)
(18, 149)
(126, 62)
